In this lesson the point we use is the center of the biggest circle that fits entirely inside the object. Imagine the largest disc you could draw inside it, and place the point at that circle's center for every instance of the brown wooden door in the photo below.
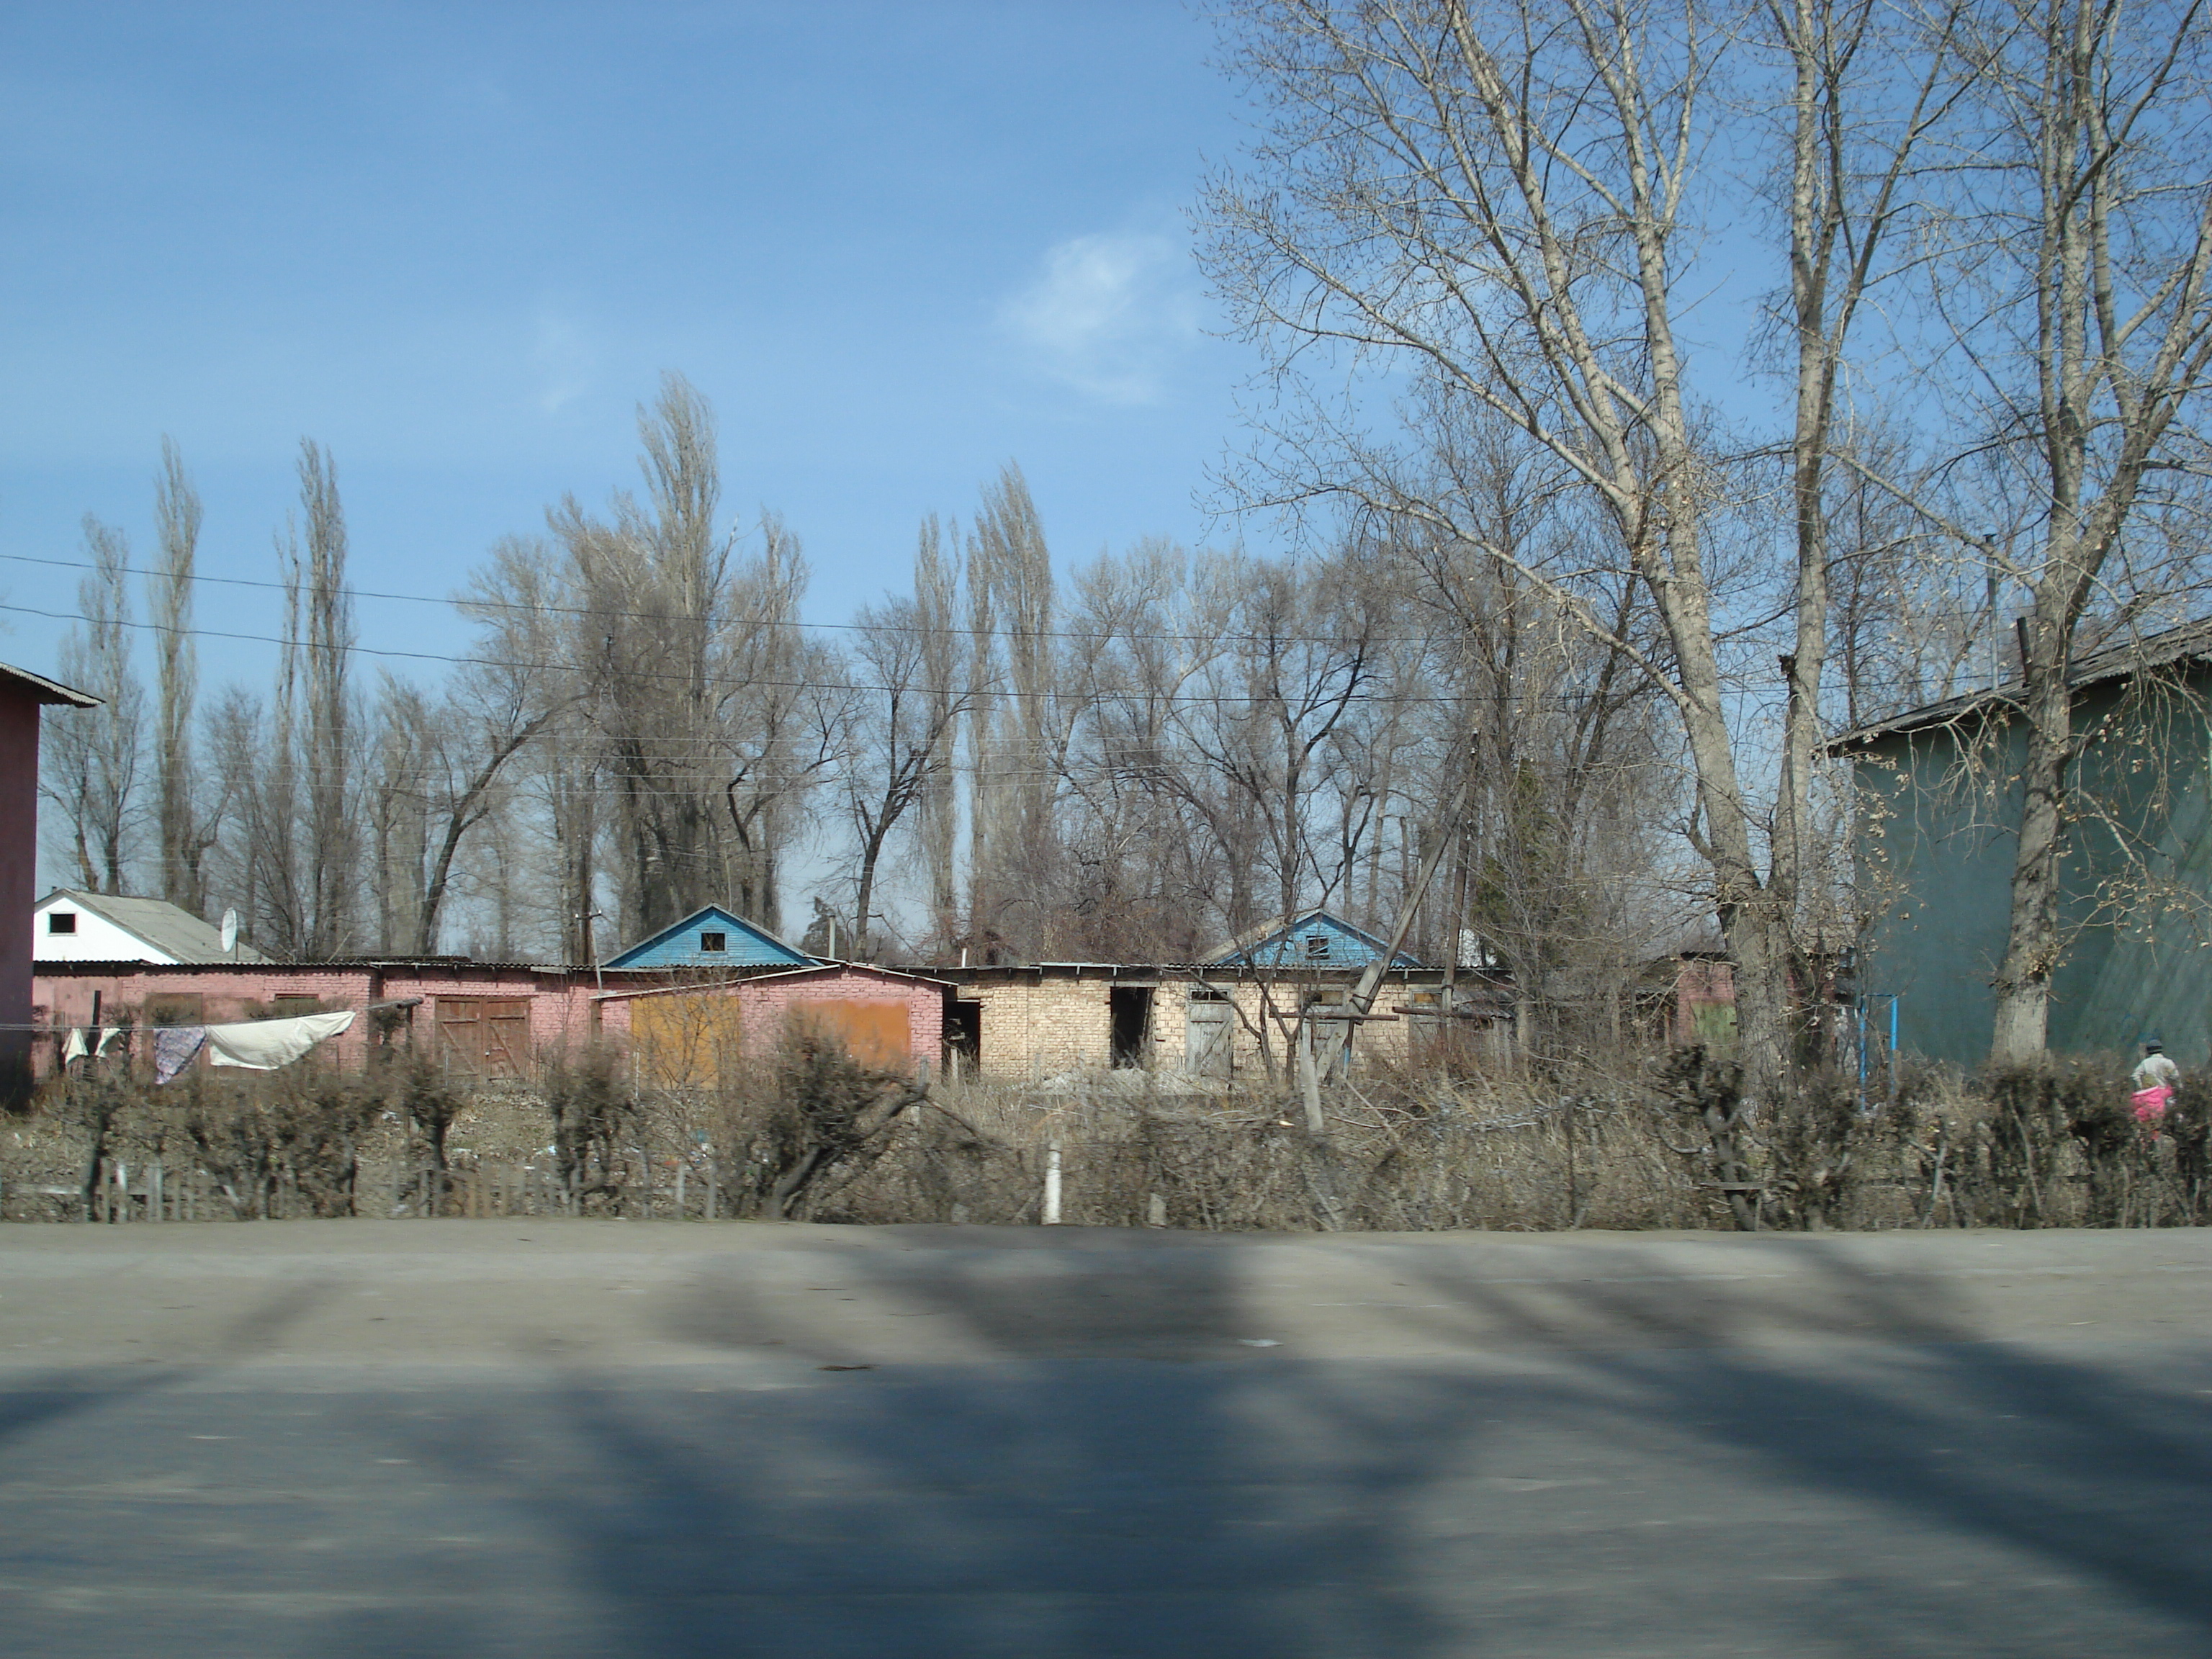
(484, 1036)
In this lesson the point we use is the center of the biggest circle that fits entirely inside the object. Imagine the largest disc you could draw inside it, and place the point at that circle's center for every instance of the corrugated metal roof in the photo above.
(50, 692)
(2159, 650)
(760, 972)
(169, 928)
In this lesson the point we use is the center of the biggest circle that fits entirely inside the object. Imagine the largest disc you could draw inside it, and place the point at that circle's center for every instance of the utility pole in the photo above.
(1371, 979)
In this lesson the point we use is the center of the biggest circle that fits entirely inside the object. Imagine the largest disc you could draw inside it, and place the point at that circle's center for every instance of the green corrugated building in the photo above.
(1939, 810)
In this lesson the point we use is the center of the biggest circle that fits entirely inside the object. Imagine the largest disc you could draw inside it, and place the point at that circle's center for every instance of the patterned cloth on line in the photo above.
(173, 1049)
(263, 1045)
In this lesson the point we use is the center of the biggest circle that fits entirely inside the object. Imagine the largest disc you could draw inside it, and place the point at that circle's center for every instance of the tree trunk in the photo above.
(2021, 1032)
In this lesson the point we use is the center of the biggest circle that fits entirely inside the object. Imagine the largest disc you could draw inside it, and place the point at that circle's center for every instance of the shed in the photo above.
(712, 937)
(1939, 804)
(696, 1035)
(23, 695)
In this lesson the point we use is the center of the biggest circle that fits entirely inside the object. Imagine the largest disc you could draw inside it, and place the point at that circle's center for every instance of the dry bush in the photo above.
(1403, 1153)
(1664, 1142)
(790, 1136)
(278, 1143)
(596, 1122)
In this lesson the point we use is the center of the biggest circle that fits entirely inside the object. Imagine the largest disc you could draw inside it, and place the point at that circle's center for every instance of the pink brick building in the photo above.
(23, 695)
(688, 1033)
(502, 1019)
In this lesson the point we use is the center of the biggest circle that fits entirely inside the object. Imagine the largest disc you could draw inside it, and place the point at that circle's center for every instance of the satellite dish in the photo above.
(229, 932)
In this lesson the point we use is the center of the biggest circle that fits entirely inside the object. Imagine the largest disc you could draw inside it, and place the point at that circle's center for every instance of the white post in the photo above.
(1052, 1185)
(1309, 1077)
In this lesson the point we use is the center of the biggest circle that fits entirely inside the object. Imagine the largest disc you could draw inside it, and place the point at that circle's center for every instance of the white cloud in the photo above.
(1108, 315)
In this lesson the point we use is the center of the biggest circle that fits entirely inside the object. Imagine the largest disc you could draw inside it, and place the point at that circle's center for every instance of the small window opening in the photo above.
(713, 941)
(1316, 946)
(61, 921)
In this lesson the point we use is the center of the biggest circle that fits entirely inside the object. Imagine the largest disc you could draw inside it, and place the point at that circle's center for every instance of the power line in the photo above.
(464, 604)
(470, 603)
(1473, 699)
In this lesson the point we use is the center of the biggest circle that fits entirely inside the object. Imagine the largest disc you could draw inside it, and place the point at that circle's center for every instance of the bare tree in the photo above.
(943, 670)
(319, 649)
(1498, 198)
(253, 858)
(184, 837)
(694, 676)
(91, 763)
(651, 591)
(402, 734)
(2081, 292)
(1013, 752)
(905, 720)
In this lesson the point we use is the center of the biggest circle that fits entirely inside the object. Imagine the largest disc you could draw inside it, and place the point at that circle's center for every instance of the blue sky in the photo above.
(895, 245)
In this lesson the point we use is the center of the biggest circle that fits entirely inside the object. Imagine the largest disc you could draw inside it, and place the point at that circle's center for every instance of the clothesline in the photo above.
(257, 1045)
(48, 1028)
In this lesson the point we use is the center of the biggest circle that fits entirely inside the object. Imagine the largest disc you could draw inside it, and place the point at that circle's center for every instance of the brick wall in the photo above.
(561, 1004)
(1042, 1028)
(1036, 1027)
(226, 995)
(766, 1005)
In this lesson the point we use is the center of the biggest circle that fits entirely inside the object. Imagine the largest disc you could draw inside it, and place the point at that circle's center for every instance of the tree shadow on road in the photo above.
(1624, 1467)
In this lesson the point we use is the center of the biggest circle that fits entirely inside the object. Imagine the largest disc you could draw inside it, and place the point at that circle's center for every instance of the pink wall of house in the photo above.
(1704, 1000)
(19, 858)
(766, 1002)
(562, 1014)
(567, 1011)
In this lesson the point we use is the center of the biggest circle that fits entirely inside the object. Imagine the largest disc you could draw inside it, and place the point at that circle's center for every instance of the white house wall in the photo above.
(97, 939)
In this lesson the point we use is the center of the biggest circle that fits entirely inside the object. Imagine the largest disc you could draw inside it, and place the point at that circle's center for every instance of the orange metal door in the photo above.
(874, 1032)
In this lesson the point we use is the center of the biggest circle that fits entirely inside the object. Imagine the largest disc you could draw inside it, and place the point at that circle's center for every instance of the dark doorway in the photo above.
(963, 1037)
(1130, 1009)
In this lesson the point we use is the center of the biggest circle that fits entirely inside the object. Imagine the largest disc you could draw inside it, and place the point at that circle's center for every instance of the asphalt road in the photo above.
(556, 1437)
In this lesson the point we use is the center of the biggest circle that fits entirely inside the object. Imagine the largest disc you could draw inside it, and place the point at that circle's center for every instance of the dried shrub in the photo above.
(1704, 1092)
(276, 1143)
(595, 1117)
(792, 1138)
(1815, 1144)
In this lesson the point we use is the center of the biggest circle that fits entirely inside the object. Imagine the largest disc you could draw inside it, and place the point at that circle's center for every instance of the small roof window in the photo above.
(61, 921)
(1317, 946)
(713, 941)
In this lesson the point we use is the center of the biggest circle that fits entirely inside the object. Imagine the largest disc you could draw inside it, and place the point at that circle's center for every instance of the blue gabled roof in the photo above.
(680, 946)
(1291, 944)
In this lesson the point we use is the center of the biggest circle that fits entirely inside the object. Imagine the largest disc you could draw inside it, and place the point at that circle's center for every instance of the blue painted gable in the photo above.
(1316, 939)
(692, 943)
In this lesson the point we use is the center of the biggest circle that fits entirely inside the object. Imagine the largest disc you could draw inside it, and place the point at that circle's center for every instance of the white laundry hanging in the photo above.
(263, 1045)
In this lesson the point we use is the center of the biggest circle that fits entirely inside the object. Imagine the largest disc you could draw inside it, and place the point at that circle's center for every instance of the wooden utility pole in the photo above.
(1371, 979)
